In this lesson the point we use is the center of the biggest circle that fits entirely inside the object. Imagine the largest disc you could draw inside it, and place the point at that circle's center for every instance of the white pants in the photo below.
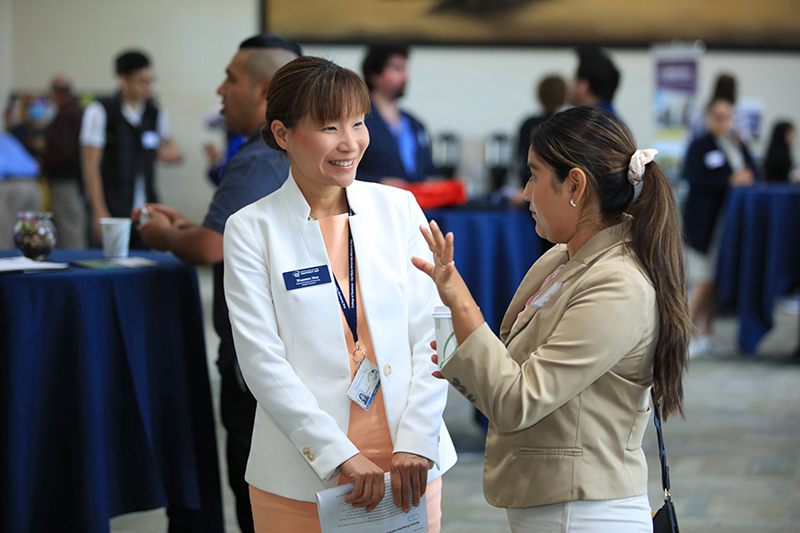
(627, 515)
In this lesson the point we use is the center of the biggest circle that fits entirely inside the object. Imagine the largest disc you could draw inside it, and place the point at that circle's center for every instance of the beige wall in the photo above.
(6, 35)
(471, 91)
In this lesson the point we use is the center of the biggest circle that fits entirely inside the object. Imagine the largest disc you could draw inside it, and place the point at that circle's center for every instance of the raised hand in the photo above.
(451, 287)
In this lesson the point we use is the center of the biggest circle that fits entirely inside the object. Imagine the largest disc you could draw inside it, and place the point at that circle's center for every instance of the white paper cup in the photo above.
(116, 236)
(445, 337)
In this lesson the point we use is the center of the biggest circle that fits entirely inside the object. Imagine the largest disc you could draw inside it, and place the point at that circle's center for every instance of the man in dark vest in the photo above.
(122, 137)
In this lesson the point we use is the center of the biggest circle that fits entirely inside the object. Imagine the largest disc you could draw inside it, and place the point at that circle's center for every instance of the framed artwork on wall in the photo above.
(769, 24)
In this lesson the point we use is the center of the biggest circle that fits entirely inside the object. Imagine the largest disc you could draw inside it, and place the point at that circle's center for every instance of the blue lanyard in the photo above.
(350, 312)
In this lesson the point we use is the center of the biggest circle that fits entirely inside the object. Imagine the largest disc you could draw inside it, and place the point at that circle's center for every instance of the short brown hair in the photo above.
(316, 88)
(552, 93)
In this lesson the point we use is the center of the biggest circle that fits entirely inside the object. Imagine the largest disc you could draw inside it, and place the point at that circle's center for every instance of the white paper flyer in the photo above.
(337, 516)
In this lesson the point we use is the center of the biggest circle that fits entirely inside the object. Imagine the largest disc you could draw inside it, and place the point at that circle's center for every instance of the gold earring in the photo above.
(572, 202)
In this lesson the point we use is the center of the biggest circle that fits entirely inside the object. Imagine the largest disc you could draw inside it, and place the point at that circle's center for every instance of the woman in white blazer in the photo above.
(289, 262)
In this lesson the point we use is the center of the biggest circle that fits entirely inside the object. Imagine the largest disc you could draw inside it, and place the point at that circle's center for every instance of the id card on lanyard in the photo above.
(365, 384)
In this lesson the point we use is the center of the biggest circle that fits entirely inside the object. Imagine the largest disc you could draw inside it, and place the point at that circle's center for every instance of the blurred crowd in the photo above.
(51, 131)
(89, 157)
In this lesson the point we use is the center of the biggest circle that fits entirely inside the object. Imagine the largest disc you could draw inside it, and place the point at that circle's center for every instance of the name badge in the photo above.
(544, 298)
(150, 140)
(306, 277)
(365, 385)
(714, 159)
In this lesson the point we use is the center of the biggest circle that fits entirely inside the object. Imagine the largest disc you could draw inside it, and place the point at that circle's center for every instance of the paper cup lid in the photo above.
(441, 311)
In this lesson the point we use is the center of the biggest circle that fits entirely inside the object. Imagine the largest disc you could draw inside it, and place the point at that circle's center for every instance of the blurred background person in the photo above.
(300, 346)
(714, 163)
(596, 79)
(725, 88)
(31, 123)
(253, 172)
(19, 186)
(121, 139)
(399, 148)
(552, 95)
(778, 166)
(61, 165)
(216, 158)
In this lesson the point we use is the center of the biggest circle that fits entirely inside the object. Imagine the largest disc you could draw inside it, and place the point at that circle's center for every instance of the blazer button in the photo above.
(306, 451)
(311, 457)
(387, 370)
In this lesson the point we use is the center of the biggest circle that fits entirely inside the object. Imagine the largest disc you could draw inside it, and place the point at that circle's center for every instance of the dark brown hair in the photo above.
(315, 88)
(725, 89)
(598, 143)
(552, 93)
(596, 67)
(378, 56)
(130, 61)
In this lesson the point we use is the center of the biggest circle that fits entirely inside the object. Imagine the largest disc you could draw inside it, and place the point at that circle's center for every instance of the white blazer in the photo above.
(291, 344)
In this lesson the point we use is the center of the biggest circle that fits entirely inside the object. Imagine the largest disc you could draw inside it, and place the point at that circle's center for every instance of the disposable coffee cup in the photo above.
(446, 343)
(116, 236)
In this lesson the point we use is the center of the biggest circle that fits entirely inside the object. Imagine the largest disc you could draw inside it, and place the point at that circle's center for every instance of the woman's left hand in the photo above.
(409, 473)
(449, 283)
(451, 287)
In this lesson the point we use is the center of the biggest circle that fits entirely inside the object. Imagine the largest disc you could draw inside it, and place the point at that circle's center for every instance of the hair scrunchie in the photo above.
(639, 159)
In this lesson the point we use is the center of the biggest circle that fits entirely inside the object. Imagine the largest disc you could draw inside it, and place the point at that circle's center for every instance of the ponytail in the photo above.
(656, 239)
(597, 142)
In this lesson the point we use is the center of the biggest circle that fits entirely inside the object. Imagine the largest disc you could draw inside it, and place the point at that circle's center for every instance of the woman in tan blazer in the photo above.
(596, 322)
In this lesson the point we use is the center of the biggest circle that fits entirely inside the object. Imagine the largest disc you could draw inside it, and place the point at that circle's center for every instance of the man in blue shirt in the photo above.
(254, 172)
(596, 79)
(19, 188)
(399, 149)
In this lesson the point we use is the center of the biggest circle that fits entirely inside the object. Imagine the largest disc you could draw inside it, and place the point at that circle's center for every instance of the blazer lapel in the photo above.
(364, 246)
(571, 268)
(596, 246)
(536, 275)
(297, 210)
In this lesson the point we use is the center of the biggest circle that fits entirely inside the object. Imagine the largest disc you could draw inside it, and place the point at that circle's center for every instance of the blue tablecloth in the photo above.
(493, 251)
(759, 256)
(106, 406)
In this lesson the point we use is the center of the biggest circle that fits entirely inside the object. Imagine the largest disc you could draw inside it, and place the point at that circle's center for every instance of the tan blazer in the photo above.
(566, 389)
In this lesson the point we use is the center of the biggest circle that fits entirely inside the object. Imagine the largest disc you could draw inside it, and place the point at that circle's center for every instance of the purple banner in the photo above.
(677, 75)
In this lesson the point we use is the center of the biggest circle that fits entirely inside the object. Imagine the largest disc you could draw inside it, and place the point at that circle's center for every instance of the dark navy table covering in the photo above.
(494, 249)
(106, 406)
(759, 256)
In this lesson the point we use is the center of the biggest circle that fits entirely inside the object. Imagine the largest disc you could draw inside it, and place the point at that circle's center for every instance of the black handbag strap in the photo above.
(662, 454)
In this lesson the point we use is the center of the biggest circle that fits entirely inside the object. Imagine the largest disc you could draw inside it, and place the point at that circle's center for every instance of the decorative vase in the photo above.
(35, 234)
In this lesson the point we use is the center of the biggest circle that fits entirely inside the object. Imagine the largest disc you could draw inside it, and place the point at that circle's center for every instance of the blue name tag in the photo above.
(306, 277)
